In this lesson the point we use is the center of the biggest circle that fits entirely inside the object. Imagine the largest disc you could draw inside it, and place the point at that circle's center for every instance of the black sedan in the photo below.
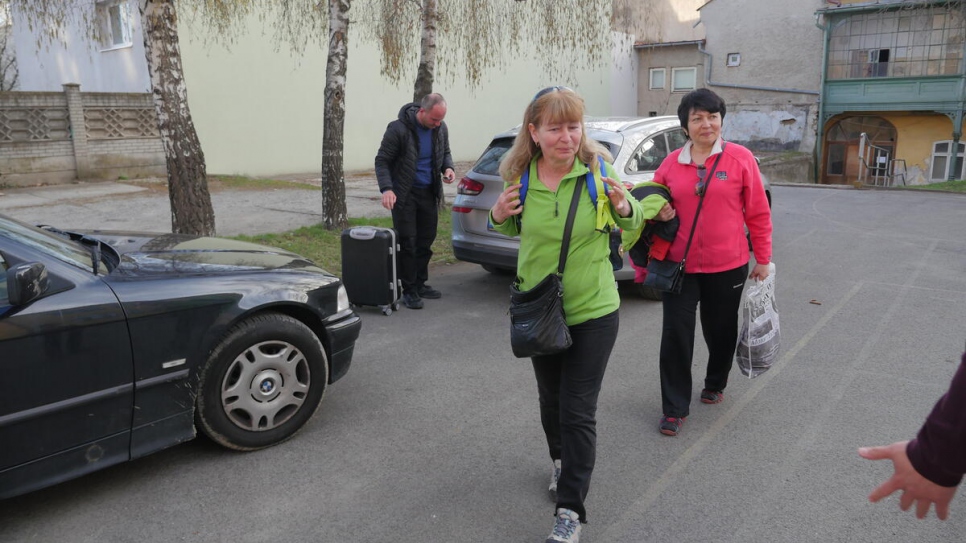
(116, 345)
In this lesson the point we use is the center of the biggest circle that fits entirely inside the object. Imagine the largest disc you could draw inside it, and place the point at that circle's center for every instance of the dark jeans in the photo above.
(569, 384)
(720, 297)
(415, 223)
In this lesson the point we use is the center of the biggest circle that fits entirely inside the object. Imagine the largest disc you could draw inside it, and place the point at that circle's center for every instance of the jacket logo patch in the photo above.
(721, 175)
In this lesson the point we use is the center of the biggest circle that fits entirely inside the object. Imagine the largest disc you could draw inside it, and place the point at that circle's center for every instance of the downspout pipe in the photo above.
(820, 135)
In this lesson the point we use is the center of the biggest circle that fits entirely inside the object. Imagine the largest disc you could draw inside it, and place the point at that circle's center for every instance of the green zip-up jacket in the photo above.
(588, 280)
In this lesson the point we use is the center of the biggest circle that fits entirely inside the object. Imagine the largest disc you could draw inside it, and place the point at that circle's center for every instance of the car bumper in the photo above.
(342, 332)
(484, 254)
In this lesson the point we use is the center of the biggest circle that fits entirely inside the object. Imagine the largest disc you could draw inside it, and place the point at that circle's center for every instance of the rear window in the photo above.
(489, 162)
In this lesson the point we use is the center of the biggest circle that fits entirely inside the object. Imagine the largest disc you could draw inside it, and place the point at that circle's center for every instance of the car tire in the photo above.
(286, 371)
(498, 270)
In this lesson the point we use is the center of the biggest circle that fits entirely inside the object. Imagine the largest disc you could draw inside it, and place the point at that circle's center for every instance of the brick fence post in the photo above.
(78, 130)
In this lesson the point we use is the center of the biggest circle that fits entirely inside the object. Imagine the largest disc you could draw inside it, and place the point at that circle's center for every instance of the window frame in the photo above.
(652, 73)
(674, 79)
(105, 16)
(946, 157)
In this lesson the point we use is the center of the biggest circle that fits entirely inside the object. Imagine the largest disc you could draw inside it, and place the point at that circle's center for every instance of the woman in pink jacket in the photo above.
(726, 176)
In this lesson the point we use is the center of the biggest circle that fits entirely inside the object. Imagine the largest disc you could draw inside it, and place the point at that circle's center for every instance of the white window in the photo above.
(734, 59)
(683, 79)
(942, 165)
(657, 78)
(115, 20)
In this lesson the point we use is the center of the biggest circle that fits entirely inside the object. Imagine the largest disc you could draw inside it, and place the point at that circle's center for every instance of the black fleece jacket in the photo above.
(396, 159)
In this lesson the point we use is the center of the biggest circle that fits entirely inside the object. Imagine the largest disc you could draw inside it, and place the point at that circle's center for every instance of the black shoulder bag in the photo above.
(668, 275)
(538, 325)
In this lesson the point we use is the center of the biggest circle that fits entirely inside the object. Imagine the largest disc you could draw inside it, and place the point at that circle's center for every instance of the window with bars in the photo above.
(899, 43)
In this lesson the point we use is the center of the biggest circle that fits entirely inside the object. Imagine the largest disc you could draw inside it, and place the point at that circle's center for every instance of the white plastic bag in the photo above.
(760, 337)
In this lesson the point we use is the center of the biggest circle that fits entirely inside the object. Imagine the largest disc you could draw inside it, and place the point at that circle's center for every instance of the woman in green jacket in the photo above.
(553, 146)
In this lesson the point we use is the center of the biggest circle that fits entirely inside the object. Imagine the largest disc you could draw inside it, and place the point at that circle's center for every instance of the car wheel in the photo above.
(262, 383)
(497, 270)
(648, 293)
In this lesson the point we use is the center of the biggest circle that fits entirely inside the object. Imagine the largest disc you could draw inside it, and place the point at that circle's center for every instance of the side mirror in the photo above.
(26, 283)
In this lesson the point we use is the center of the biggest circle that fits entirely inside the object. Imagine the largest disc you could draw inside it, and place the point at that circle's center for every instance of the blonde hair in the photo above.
(552, 105)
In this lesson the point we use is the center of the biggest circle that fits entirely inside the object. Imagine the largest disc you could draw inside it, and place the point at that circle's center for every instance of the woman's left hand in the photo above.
(618, 197)
(759, 272)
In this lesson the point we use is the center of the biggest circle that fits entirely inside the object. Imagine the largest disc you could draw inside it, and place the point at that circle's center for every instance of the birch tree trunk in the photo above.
(425, 73)
(191, 210)
(334, 215)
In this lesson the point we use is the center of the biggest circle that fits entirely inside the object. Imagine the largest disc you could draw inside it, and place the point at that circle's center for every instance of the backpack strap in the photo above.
(591, 182)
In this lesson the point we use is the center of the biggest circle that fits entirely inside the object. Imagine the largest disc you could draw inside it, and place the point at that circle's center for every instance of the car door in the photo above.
(66, 363)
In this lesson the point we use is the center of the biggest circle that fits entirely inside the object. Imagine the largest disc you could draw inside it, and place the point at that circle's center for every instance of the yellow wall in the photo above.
(916, 135)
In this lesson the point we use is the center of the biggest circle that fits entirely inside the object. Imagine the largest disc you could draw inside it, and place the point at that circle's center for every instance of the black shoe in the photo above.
(412, 300)
(428, 292)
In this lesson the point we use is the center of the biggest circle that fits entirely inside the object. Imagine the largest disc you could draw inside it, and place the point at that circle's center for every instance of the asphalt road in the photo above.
(434, 434)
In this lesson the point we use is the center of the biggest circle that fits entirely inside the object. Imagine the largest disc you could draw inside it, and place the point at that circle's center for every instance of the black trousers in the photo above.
(415, 222)
(569, 384)
(720, 297)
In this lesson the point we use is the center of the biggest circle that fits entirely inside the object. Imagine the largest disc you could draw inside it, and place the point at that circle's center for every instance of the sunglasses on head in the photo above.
(702, 182)
(548, 90)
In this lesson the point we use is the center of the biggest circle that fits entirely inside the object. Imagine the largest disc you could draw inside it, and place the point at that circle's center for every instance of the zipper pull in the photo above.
(555, 208)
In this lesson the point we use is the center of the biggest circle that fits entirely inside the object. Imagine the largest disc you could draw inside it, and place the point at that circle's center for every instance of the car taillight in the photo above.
(469, 187)
(460, 209)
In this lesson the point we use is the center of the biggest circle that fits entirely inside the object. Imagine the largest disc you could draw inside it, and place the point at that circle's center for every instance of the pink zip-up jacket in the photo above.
(734, 198)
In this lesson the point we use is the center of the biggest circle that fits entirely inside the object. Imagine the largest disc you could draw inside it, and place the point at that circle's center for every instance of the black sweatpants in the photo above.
(720, 297)
(415, 222)
(569, 384)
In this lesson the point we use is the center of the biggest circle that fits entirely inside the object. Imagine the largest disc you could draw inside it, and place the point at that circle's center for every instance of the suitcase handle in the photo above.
(362, 232)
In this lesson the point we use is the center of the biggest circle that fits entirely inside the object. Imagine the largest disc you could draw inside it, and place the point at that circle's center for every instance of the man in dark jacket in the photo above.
(413, 154)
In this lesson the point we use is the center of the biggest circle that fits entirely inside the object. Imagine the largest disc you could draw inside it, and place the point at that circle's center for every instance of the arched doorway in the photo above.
(841, 164)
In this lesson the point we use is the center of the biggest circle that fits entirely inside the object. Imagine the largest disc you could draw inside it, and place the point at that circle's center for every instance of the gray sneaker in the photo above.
(566, 529)
(554, 477)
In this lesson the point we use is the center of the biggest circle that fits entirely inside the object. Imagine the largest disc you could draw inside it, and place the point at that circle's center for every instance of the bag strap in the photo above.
(568, 229)
(707, 183)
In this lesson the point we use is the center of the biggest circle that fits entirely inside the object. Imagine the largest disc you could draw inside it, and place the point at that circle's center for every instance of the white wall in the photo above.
(75, 59)
(259, 112)
(623, 76)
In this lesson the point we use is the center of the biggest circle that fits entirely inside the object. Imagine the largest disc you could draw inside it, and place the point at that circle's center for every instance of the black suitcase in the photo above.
(369, 267)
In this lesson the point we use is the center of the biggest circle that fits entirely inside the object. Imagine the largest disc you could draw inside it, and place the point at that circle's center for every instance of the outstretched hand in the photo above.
(915, 488)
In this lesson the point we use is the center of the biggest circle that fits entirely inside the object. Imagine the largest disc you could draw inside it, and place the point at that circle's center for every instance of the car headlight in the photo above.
(342, 302)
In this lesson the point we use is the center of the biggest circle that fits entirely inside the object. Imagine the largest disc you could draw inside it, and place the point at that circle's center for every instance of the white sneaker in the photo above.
(566, 529)
(554, 477)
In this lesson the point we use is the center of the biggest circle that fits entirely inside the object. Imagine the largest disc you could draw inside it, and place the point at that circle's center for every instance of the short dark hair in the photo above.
(702, 100)
(431, 100)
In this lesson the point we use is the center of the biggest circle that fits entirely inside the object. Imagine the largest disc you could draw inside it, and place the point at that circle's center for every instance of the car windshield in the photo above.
(56, 246)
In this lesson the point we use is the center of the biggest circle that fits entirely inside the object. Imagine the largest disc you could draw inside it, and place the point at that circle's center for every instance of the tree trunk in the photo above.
(426, 73)
(334, 215)
(191, 210)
